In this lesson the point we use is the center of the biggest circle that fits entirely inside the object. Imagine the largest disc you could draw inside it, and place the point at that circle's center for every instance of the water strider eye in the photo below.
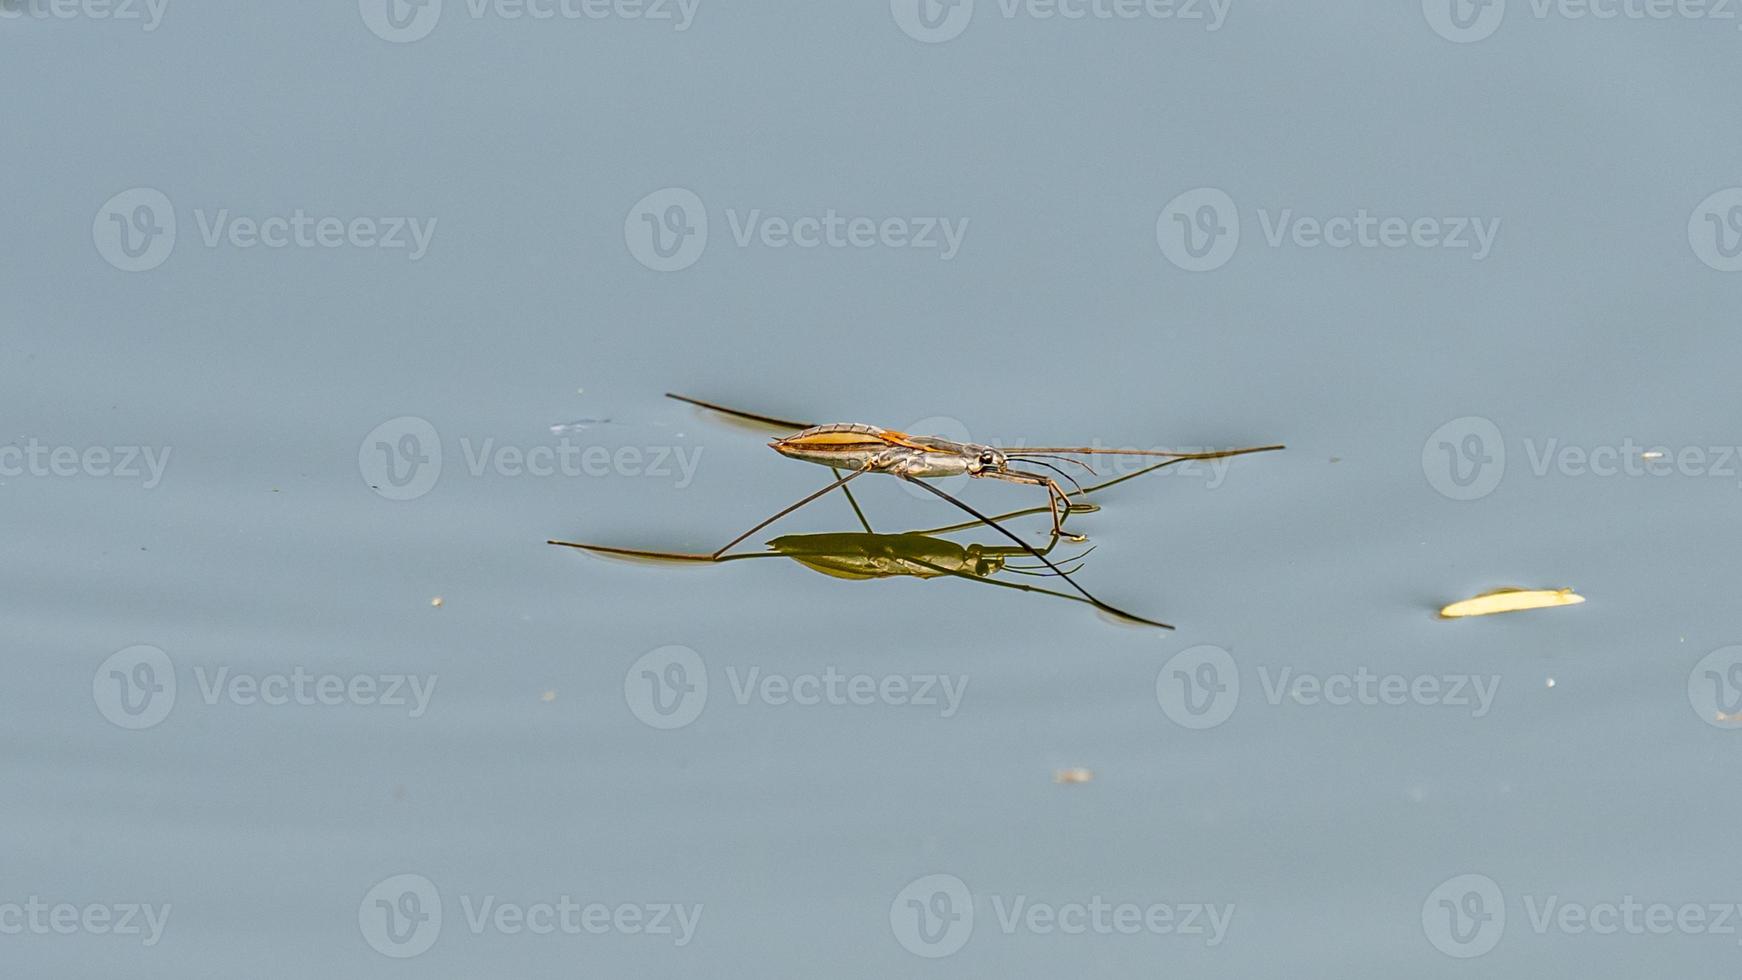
(987, 459)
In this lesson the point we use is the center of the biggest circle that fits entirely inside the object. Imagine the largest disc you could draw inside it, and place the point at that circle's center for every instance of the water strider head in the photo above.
(985, 460)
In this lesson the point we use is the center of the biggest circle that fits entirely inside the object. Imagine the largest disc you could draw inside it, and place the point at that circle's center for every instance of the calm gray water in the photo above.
(295, 296)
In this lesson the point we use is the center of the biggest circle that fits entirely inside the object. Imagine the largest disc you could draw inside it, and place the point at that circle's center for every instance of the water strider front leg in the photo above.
(1055, 495)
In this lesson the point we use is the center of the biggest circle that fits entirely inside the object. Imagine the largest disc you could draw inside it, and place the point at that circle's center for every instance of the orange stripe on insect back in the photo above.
(903, 439)
(833, 440)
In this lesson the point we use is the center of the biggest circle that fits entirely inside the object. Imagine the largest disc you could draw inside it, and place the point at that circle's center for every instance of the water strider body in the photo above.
(859, 449)
(855, 446)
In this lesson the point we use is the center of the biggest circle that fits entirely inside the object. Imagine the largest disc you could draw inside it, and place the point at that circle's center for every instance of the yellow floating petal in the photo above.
(1510, 600)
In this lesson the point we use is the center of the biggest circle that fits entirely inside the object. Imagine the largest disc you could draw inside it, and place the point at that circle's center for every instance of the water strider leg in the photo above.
(747, 416)
(856, 511)
(1054, 493)
(1025, 546)
(715, 556)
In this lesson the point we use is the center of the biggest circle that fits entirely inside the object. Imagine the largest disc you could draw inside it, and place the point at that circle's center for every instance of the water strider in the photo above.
(860, 449)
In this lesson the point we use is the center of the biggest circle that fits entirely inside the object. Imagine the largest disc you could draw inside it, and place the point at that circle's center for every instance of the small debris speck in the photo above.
(1076, 775)
(436, 602)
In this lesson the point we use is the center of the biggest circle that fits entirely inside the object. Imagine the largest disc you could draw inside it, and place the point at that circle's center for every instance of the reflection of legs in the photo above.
(1025, 546)
(715, 556)
(856, 511)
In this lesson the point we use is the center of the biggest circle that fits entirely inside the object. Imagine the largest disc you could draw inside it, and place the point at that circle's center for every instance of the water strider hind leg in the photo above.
(717, 555)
